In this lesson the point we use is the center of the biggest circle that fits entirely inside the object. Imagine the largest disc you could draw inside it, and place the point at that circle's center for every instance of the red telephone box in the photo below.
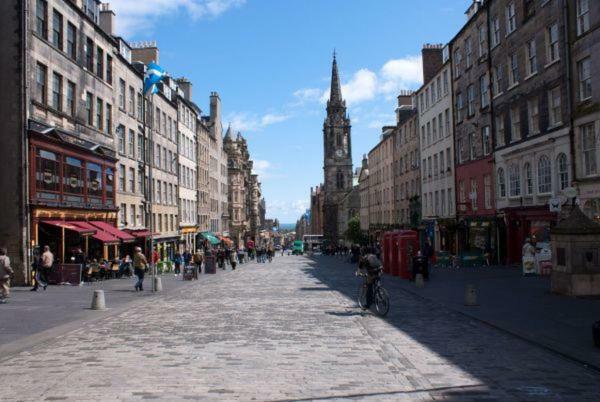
(406, 243)
(387, 252)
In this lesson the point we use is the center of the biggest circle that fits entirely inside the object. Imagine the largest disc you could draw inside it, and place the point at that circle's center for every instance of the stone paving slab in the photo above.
(288, 331)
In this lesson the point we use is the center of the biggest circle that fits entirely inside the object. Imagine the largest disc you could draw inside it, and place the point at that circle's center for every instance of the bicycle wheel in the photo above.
(362, 296)
(382, 302)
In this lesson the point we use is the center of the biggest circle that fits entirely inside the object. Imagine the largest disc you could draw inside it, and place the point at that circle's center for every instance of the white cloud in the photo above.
(366, 85)
(286, 209)
(244, 121)
(134, 16)
(260, 167)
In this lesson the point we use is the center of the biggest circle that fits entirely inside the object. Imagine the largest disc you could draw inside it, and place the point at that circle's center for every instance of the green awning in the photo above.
(211, 237)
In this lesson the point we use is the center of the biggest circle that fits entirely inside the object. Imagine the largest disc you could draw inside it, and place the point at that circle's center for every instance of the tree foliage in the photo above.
(354, 234)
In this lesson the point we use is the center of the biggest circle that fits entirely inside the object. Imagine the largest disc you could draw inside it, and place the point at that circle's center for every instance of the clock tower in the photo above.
(337, 166)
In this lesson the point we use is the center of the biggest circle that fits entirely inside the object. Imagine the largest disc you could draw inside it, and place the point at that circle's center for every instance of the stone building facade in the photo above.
(316, 210)
(203, 141)
(240, 186)
(474, 160)
(363, 193)
(434, 101)
(532, 152)
(584, 43)
(406, 162)
(337, 166)
(381, 182)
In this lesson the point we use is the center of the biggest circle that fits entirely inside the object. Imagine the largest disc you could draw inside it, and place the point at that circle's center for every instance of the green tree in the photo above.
(354, 233)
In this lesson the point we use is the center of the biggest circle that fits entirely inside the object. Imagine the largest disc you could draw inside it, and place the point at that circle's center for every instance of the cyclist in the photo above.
(372, 265)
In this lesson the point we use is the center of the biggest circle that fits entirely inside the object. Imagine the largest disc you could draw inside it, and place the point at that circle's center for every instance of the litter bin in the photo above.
(190, 272)
(596, 333)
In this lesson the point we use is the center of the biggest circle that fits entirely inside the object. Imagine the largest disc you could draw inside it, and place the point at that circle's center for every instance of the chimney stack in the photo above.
(432, 60)
(186, 87)
(145, 52)
(107, 19)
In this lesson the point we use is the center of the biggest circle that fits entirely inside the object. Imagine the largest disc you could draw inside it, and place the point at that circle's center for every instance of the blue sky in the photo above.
(270, 61)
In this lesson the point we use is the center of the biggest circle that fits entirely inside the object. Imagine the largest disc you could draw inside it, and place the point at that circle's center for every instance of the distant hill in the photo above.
(287, 226)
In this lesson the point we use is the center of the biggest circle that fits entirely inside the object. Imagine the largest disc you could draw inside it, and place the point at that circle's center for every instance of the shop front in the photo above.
(166, 247)
(527, 222)
(71, 183)
(476, 237)
(187, 240)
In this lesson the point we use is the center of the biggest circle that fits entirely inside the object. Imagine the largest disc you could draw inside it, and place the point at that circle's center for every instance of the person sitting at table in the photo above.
(125, 267)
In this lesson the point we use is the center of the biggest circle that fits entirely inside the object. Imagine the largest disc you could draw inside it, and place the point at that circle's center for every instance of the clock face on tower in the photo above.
(339, 153)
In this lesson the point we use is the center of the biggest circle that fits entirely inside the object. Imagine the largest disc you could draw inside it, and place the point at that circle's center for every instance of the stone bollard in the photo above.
(98, 302)
(157, 284)
(471, 296)
(419, 281)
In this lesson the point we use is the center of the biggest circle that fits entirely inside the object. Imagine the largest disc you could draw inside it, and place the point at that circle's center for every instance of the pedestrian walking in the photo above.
(43, 269)
(139, 267)
(528, 257)
(178, 261)
(233, 260)
(5, 273)
(198, 258)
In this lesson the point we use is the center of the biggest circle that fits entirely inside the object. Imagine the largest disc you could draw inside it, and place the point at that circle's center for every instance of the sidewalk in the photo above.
(520, 305)
(43, 314)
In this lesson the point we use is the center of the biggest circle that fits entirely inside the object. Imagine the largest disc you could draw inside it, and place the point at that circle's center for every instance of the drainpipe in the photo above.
(26, 250)
(570, 101)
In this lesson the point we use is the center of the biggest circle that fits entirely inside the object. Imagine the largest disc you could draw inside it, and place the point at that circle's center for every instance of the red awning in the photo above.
(140, 233)
(73, 227)
(104, 237)
(107, 227)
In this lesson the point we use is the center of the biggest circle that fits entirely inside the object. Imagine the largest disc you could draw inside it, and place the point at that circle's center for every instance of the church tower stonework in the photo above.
(337, 166)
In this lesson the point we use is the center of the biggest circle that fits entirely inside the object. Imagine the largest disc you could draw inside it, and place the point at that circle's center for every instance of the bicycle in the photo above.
(381, 299)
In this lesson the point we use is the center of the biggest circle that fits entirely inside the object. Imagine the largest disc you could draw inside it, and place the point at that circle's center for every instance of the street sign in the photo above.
(554, 204)
(570, 192)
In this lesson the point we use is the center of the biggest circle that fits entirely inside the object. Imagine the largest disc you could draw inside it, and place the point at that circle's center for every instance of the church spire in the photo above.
(335, 95)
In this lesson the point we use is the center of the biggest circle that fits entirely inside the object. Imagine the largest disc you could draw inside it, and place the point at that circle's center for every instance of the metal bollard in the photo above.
(98, 302)
(471, 296)
(157, 284)
(419, 281)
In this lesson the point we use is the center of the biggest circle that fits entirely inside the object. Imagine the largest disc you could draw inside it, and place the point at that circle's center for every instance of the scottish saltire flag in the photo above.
(153, 76)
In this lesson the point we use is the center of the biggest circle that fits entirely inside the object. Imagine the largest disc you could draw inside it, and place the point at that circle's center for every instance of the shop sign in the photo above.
(554, 204)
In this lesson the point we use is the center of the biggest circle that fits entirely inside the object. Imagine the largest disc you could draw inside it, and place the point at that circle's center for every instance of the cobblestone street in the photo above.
(288, 331)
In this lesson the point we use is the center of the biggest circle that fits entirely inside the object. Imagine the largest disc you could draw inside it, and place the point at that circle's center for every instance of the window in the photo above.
(41, 18)
(585, 79)
(442, 162)
(514, 181)
(41, 74)
(434, 129)
(487, 191)
(501, 183)
(552, 43)
(589, 149)
(140, 149)
(481, 40)
(435, 165)
(445, 79)
(131, 144)
(459, 107)
(140, 105)
(533, 114)
(497, 80)
(472, 146)
(439, 87)
(89, 108)
(440, 126)
(108, 127)
(457, 62)
(500, 135)
(528, 178)
(459, 150)
(531, 66)
(485, 140)
(132, 180)
(515, 120)
(495, 31)
(132, 215)
(511, 18)
(513, 70)
(121, 138)
(121, 177)
(123, 214)
(484, 85)
(461, 195)
(473, 194)
(563, 171)
(554, 108)
(449, 159)
(71, 94)
(89, 54)
(471, 100)
(428, 133)
(57, 29)
(544, 175)
(583, 16)
(131, 100)
(468, 52)
(158, 192)
(109, 72)
(100, 62)
(57, 91)
(99, 113)
(73, 178)
(447, 116)
(529, 8)
(121, 94)
(71, 41)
